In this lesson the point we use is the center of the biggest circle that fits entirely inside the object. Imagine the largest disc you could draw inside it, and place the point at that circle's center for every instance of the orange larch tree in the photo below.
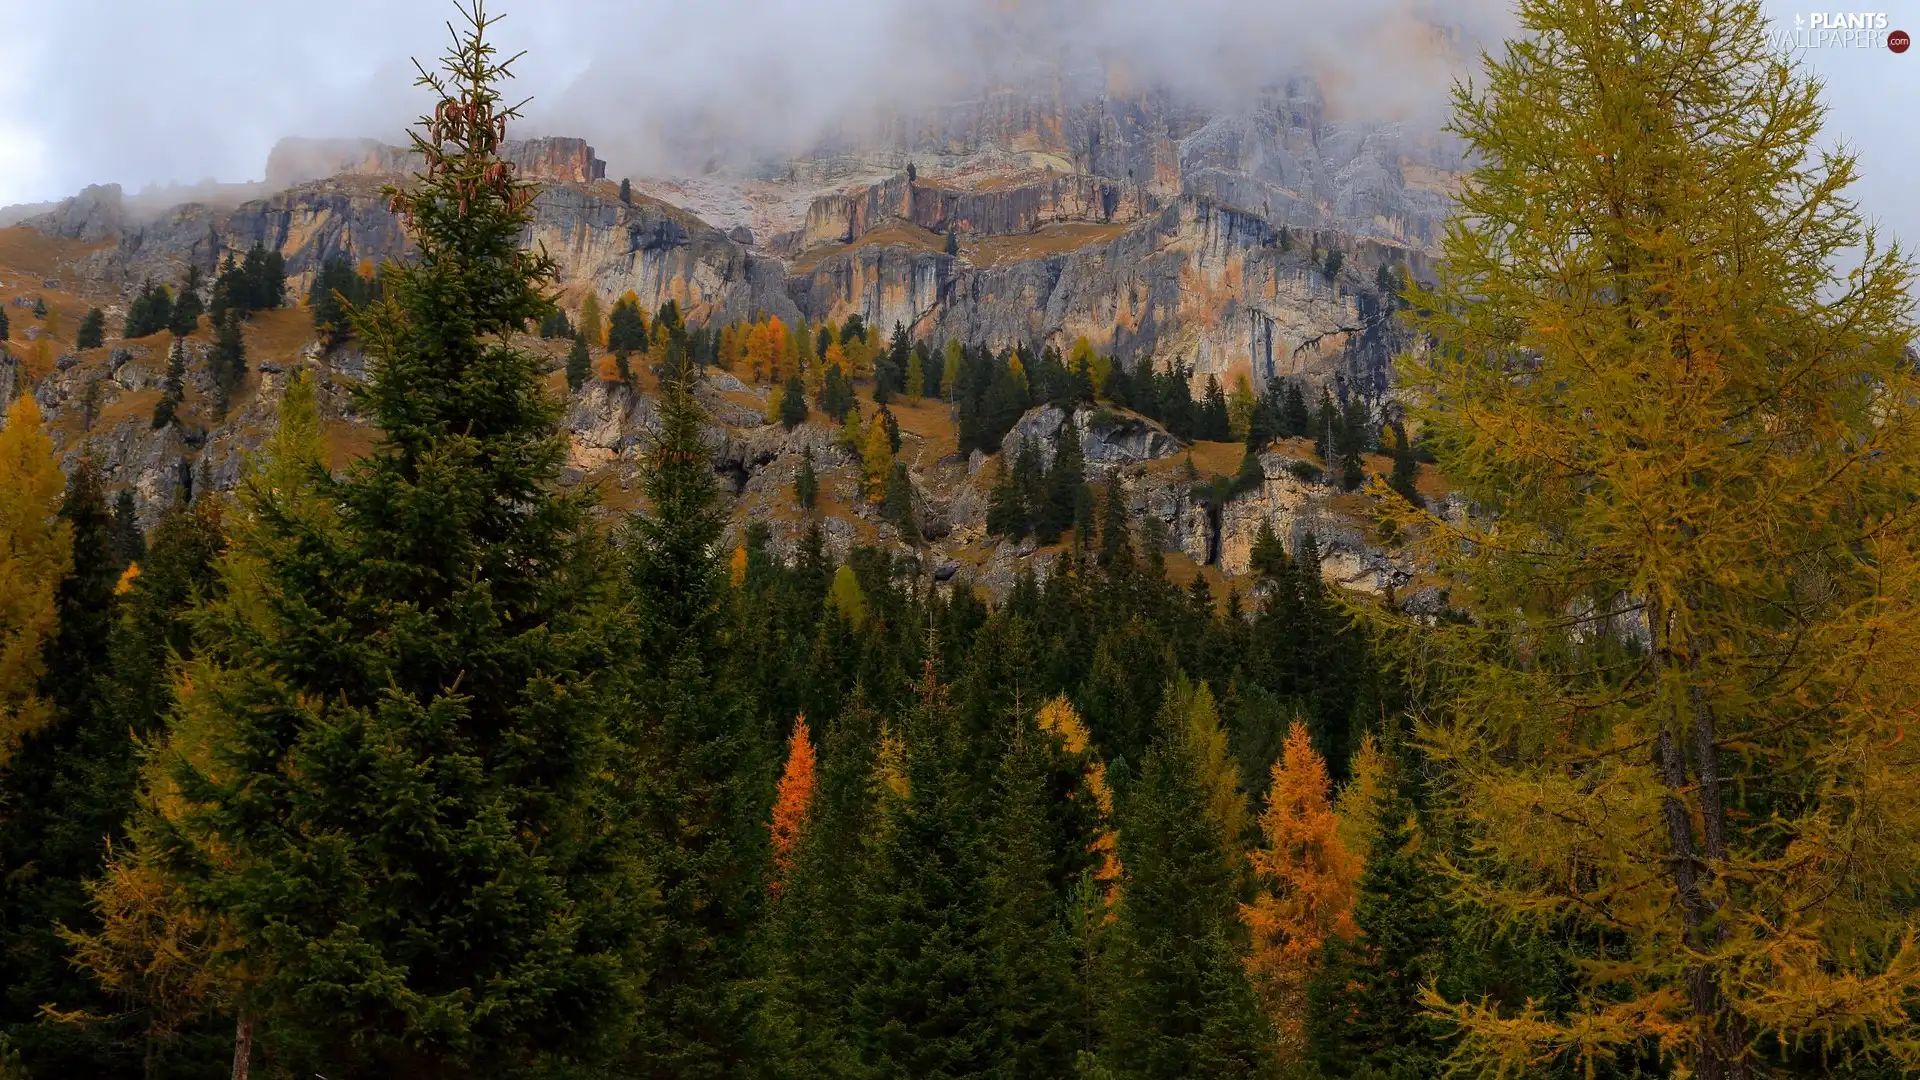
(1307, 878)
(792, 802)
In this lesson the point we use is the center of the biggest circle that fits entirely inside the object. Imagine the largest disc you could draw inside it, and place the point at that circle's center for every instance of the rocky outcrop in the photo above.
(1002, 207)
(295, 161)
(97, 213)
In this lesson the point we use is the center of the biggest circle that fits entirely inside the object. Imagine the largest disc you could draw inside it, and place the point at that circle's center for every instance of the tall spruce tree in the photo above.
(93, 330)
(1179, 1003)
(390, 762)
(1675, 363)
(707, 759)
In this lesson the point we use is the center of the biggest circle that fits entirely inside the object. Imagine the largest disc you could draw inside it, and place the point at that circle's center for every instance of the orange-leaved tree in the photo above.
(792, 803)
(1670, 374)
(1306, 877)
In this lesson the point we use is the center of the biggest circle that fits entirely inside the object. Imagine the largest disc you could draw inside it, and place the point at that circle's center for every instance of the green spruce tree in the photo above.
(93, 330)
(394, 764)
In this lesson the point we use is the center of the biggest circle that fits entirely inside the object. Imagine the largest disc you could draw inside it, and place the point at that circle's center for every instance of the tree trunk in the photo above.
(242, 1045)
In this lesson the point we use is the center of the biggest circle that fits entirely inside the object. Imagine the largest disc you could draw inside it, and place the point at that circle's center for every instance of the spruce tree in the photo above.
(1296, 421)
(173, 387)
(579, 363)
(228, 359)
(1006, 505)
(1365, 1018)
(793, 403)
(185, 318)
(896, 505)
(392, 764)
(1179, 1001)
(708, 761)
(129, 543)
(4, 330)
(806, 482)
(91, 334)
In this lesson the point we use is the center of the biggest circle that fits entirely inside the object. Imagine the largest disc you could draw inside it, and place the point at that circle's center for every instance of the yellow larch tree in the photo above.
(36, 552)
(1670, 369)
(1306, 878)
(876, 458)
(590, 323)
(1358, 806)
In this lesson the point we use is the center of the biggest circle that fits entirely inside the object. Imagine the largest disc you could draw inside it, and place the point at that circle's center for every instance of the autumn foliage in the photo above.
(1307, 879)
(793, 802)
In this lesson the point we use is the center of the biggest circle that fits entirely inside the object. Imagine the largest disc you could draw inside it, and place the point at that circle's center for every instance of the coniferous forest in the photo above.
(416, 769)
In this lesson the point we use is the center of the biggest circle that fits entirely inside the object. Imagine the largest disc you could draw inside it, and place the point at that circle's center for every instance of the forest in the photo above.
(416, 768)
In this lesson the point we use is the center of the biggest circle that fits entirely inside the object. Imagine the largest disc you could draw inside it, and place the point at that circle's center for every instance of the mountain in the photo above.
(1161, 230)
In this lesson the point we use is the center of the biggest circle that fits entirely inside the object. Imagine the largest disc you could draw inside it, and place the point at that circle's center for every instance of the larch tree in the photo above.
(1306, 877)
(1678, 713)
(36, 554)
(792, 802)
(390, 751)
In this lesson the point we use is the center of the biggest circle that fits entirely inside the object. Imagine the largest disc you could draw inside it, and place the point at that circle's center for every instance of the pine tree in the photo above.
(185, 318)
(150, 312)
(1364, 1011)
(92, 332)
(1179, 1003)
(405, 817)
(36, 553)
(1007, 505)
(579, 363)
(626, 191)
(228, 359)
(173, 387)
(953, 243)
(1296, 422)
(1689, 636)
(876, 460)
(707, 760)
(129, 543)
(806, 482)
(897, 504)
(4, 330)
(793, 403)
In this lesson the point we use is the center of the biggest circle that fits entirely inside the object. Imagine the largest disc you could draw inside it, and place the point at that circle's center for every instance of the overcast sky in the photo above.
(141, 92)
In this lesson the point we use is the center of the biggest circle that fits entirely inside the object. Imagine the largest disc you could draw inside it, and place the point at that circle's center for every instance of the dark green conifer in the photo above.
(129, 543)
(1179, 1004)
(579, 363)
(793, 403)
(1365, 1019)
(173, 387)
(1296, 421)
(806, 482)
(413, 821)
(1006, 506)
(185, 318)
(708, 761)
(92, 332)
(228, 361)
(897, 503)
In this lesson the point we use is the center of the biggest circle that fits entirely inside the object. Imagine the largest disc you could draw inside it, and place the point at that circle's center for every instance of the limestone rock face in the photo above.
(97, 213)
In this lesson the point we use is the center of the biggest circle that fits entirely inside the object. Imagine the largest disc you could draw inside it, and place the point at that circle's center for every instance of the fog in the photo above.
(144, 93)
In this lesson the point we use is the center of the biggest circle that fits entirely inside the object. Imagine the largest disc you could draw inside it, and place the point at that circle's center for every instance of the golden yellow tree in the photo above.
(1306, 877)
(590, 323)
(876, 459)
(36, 552)
(1358, 807)
(1678, 715)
